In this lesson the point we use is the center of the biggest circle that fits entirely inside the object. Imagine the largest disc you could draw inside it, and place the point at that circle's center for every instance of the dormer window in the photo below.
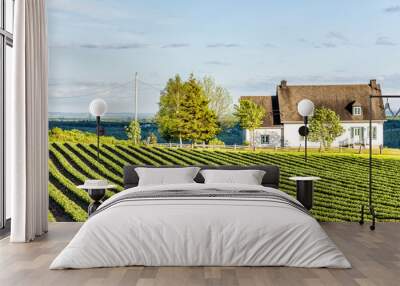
(357, 110)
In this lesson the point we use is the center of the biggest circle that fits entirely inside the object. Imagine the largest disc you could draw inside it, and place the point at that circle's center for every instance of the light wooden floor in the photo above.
(375, 257)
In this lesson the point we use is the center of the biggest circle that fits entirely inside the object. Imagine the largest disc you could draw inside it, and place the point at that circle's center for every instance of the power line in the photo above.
(115, 87)
(157, 87)
(136, 95)
(108, 90)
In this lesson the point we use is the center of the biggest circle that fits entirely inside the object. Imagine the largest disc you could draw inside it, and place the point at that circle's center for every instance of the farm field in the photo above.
(339, 194)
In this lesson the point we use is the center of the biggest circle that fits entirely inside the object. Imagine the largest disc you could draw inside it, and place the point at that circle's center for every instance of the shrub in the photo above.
(152, 138)
(133, 131)
(76, 136)
(216, 142)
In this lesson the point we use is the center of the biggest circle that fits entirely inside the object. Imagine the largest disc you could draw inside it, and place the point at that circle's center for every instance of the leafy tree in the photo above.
(250, 116)
(220, 101)
(325, 127)
(168, 117)
(198, 120)
(133, 131)
(152, 138)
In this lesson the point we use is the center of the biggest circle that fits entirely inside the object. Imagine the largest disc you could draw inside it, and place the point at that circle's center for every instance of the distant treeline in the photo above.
(230, 136)
(391, 133)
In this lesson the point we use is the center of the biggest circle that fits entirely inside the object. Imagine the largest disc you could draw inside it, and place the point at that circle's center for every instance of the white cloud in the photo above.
(122, 46)
(223, 45)
(392, 9)
(270, 45)
(385, 41)
(175, 45)
(88, 8)
(59, 89)
(337, 36)
(217, 63)
(328, 45)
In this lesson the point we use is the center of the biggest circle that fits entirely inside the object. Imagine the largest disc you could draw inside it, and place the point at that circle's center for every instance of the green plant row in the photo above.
(69, 207)
(171, 152)
(122, 155)
(150, 155)
(99, 168)
(340, 192)
(69, 186)
(356, 208)
(335, 177)
(334, 182)
(70, 157)
(50, 217)
(104, 161)
(356, 196)
(121, 162)
(165, 156)
(143, 160)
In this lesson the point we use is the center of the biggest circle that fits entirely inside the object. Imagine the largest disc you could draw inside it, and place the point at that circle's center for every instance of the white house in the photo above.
(282, 121)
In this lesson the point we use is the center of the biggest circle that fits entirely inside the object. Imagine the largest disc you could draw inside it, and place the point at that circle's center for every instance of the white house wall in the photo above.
(274, 136)
(293, 139)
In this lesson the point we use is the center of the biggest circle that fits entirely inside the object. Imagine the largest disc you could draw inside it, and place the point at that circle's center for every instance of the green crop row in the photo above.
(70, 208)
(102, 170)
(339, 194)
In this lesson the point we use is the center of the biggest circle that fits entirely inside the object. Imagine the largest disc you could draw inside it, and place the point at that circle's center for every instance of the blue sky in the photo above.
(96, 46)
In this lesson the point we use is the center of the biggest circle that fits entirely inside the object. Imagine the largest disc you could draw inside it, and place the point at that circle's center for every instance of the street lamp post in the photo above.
(98, 108)
(305, 108)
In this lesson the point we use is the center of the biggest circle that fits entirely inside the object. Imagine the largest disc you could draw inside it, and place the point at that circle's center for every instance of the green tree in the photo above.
(133, 131)
(168, 117)
(250, 116)
(199, 122)
(220, 101)
(152, 138)
(325, 127)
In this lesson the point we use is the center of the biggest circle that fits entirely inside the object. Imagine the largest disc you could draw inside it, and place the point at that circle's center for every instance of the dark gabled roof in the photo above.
(270, 104)
(339, 98)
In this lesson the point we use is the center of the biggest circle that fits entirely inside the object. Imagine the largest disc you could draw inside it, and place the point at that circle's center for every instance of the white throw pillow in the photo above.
(166, 176)
(248, 177)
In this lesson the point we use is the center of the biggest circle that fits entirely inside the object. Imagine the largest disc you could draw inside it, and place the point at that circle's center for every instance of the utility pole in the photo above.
(136, 96)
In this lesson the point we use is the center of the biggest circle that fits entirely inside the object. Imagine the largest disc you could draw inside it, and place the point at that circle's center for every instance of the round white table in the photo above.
(305, 190)
(97, 194)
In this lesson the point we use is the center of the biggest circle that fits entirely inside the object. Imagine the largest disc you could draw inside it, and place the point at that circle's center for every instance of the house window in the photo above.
(357, 131)
(374, 133)
(264, 139)
(357, 110)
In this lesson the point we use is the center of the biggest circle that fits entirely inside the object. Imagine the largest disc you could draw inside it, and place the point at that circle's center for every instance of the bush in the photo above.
(76, 136)
(216, 142)
(152, 138)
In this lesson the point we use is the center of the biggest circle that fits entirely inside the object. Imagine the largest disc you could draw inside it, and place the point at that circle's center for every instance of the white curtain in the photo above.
(26, 117)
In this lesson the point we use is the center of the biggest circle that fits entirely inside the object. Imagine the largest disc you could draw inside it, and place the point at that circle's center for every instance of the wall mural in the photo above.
(179, 90)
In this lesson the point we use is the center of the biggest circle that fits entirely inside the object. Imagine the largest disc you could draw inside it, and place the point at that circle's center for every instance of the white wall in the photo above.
(293, 139)
(274, 135)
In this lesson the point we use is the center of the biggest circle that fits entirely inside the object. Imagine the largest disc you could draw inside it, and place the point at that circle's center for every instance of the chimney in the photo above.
(283, 83)
(373, 84)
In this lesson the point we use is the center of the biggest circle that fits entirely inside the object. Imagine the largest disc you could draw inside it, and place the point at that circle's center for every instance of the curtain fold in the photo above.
(27, 148)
